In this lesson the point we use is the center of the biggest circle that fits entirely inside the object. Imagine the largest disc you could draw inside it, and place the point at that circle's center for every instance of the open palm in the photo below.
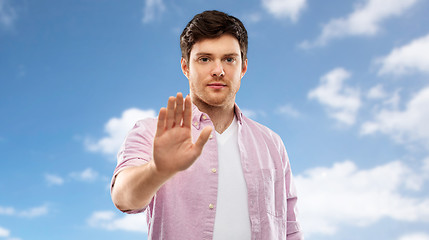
(173, 149)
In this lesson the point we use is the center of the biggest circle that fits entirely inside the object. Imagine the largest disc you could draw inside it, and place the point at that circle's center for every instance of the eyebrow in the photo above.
(210, 54)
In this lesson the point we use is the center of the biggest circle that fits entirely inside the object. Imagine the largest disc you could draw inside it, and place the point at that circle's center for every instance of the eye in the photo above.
(203, 59)
(230, 59)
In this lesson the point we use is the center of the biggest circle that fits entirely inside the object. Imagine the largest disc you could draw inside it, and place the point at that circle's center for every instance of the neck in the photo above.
(221, 116)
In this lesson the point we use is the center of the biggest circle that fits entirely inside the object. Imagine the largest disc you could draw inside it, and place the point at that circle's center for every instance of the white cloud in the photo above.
(8, 15)
(6, 210)
(415, 236)
(34, 212)
(285, 8)
(288, 110)
(4, 232)
(53, 179)
(342, 102)
(376, 92)
(151, 9)
(407, 126)
(86, 175)
(412, 57)
(394, 100)
(117, 129)
(29, 213)
(109, 221)
(365, 20)
(343, 195)
(425, 167)
(252, 17)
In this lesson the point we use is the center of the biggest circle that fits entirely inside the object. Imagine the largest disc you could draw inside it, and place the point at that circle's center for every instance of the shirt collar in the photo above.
(198, 116)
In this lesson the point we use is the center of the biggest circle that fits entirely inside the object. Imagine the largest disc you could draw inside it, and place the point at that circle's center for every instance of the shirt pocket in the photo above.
(274, 192)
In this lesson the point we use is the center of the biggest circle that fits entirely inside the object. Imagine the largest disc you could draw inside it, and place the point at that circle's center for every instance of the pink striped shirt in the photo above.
(185, 206)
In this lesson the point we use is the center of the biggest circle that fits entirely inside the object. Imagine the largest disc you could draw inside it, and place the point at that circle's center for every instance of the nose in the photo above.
(217, 70)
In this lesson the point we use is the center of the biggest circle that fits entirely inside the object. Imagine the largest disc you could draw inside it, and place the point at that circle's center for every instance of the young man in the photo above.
(235, 180)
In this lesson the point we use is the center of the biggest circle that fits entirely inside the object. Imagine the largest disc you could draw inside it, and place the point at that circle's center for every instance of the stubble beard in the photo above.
(209, 100)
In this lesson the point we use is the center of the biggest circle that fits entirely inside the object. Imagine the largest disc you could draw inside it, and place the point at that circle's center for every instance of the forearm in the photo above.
(134, 187)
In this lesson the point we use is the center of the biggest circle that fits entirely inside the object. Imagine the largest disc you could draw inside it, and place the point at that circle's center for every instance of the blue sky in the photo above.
(344, 83)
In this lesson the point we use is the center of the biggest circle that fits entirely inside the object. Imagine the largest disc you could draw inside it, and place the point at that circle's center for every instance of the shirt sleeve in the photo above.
(136, 150)
(293, 231)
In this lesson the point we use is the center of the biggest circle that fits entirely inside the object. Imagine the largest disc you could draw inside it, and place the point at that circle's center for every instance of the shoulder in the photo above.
(265, 140)
(146, 124)
(144, 128)
(136, 148)
(261, 131)
(257, 129)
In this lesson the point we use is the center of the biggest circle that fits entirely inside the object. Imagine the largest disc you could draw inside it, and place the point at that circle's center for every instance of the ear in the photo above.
(244, 68)
(184, 66)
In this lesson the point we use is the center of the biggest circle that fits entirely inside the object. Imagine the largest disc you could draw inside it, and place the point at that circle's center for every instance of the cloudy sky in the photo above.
(344, 83)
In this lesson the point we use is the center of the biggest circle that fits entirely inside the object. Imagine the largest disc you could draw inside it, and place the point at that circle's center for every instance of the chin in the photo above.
(214, 102)
(217, 101)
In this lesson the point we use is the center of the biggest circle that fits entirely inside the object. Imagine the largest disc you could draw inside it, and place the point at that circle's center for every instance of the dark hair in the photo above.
(212, 24)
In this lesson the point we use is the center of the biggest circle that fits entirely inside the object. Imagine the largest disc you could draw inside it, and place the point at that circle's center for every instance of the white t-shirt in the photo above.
(232, 214)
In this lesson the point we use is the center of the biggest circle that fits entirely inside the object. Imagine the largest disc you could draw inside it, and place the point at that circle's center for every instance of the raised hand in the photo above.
(173, 149)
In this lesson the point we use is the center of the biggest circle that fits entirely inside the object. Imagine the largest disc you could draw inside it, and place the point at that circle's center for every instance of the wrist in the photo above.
(159, 174)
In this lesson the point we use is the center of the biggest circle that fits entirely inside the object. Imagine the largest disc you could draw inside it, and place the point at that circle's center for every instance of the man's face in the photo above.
(214, 71)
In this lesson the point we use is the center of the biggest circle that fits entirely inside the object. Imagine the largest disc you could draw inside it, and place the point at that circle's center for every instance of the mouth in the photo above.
(216, 85)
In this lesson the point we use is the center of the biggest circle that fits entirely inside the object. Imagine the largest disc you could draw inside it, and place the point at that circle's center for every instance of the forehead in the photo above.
(225, 44)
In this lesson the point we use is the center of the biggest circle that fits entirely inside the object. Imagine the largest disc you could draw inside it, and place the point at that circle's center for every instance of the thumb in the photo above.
(203, 138)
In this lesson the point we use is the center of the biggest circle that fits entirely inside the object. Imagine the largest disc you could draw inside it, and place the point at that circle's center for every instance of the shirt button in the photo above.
(204, 117)
(211, 136)
(214, 170)
(195, 124)
(211, 206)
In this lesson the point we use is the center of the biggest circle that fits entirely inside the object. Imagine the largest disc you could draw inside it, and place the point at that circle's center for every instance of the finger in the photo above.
(170, 112)
(179, 109)
(187, 114)
(202, 139)
(161, 121)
